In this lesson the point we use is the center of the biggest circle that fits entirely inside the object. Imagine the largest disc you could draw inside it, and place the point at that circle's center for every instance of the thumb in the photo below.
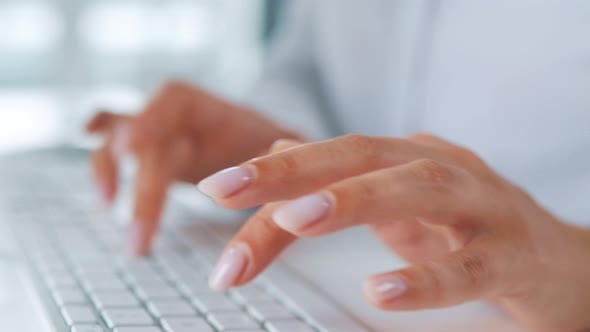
(457, 278)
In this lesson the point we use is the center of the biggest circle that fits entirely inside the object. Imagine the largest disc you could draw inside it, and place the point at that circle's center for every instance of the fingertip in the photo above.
(97, 122)
(384, 290)
(106, 192)
(227, 182)
(139, 239)
(230, 267)
(105, 175)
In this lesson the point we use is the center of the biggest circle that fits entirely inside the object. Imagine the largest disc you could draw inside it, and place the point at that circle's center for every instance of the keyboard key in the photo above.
(87, 328)
(123, 317)
(60, 280)
(106, 284)
(145, 279)
(63, 296)
(148, 292)
(232, 320)
(193, 285)
(78, 314)
(52, 267)
(252, 294)
(214, 302)
(100, 278)
(160, 308)
(288, 326)
(269, 311)
(97, 267)
(140, 269)
(138, 329)
(154, 283)
(185, 324)
(114, 299)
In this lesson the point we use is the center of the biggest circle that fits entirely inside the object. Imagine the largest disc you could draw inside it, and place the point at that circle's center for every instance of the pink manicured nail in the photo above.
(226, 182)
(136, 239)
(385, 288)
(228, 269)
(302, 212)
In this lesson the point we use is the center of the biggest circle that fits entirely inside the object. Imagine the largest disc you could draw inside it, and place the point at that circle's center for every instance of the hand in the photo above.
(470, 233)
(184, 134)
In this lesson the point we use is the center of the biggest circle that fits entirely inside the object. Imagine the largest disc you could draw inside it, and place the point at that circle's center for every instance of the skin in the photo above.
(468, 233)
(183, 134)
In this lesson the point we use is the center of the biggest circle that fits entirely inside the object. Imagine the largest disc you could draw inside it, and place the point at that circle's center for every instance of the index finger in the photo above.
(307, 168)
(151, 188)
(256, 245)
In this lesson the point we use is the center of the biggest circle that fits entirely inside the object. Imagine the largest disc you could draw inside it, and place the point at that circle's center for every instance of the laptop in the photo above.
(63, 267)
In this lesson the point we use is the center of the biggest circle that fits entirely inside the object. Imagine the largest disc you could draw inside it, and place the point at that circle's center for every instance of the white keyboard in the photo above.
(77, 254)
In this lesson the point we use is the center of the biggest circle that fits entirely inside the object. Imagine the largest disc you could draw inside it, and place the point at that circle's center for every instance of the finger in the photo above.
(123, 133)
(283, 144)
(306, 168)
(460, 277)
(429, 139)
(104, 122)
(255, 246)
(105, 172)
(412, 240)
(151, 187)
(105, 160)
(423, 189)
(98, 122)
(170, 110)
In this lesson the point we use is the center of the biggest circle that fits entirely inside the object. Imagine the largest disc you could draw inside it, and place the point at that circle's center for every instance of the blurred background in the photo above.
(60, 60)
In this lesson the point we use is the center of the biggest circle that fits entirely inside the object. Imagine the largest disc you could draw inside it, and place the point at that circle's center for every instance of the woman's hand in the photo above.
(469, 233)
(184, 134)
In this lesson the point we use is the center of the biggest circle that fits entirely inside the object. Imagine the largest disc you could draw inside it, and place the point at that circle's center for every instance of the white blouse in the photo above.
(508, 79)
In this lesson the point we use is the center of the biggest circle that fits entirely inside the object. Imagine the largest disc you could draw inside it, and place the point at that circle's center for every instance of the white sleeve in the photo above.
(289, 89)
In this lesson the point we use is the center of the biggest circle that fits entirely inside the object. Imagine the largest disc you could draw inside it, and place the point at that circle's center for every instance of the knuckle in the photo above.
(472, 267)
(467, 156)
(286, 164)
(366, 191)
(362, 145)
(266, 226)
(433, 171)
(423, 137)
(174, 85)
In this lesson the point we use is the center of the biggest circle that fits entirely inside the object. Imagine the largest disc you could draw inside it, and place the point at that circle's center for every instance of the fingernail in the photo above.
(226, 182)
(302, 212)
(121, 140)
(385, 288)
(136, 236)
(228, 269)
(283, 144)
